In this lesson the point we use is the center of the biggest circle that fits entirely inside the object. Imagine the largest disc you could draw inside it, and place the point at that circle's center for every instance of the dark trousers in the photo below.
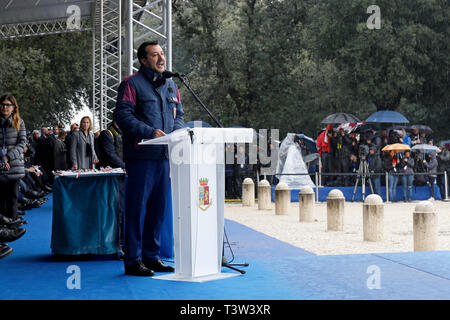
(146, 193)
(432, 181)
(9, 191)
(342, 161)
(120, 213)
(327, 167)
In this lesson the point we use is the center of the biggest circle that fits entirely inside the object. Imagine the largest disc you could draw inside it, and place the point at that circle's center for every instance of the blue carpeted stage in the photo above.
(277, 271)
(418, 193)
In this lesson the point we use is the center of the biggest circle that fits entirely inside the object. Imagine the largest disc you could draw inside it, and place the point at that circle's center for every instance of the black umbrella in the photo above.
(338, 118)
(365, 127)
(421, 128)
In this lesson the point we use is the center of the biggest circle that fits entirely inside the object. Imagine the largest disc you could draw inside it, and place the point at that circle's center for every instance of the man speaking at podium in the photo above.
(148, 106)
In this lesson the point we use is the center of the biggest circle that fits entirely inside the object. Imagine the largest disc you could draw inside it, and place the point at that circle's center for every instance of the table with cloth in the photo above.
(85, 216)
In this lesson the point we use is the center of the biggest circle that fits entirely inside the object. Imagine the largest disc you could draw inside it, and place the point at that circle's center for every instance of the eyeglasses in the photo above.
(6, 105)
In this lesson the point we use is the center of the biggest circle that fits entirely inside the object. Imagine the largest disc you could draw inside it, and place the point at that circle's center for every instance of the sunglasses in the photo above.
(6, 105)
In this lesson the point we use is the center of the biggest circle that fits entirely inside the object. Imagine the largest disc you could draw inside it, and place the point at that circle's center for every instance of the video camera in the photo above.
(363, 151)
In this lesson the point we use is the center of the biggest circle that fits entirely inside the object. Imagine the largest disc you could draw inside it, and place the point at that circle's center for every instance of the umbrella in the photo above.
(349, 126)
(396, 127)
(397, 147)
(426, 147)
(197, 124)
(387, 116)
(421, 128)
(364, 127)
(336, 118)
(443, 142)
(310, 143)
(311, 157)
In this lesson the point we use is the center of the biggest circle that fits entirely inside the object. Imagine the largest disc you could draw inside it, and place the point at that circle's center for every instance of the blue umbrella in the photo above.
(387, 116)
(309, 142)
(197, 123)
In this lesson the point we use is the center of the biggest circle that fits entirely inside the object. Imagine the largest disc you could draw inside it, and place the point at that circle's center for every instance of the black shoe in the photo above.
(158, 266)
(34, 194)
(10, 235)
(138, 269)
(5, 250)
(10, 223)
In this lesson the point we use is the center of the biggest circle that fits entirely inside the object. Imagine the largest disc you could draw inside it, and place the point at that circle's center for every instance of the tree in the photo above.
(50, 76)
(399, 60)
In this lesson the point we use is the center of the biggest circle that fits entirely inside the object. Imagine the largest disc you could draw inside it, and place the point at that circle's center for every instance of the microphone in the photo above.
(168, 74)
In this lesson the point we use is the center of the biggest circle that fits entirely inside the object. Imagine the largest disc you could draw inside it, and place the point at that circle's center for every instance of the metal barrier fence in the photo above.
(318, 179)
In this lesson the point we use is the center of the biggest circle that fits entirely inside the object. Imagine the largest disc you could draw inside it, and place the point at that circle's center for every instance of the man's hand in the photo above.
(7, 166)
(158, 133)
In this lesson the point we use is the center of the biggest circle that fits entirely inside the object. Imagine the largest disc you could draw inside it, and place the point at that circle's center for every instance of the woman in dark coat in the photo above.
(82, 151)
(13, 140)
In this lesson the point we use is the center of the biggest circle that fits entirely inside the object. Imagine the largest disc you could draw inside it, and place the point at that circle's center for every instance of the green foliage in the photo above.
(288, 64)
(50, 76)
(281, 64)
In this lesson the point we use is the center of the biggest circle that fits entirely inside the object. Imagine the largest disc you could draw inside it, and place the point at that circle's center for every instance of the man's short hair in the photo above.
(142, 51)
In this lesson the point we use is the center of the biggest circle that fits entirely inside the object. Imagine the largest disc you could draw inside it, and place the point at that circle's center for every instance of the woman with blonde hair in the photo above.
(82, 151)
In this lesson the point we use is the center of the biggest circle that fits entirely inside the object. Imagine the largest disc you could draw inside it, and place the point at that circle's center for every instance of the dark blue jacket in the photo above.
(110, 148)
(146, 102)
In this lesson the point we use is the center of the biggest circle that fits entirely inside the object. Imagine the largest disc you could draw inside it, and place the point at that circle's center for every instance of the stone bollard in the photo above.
(425, 227)
(335, 210)
(306, 204)
(264, 195)
(248, 193)
(373, 218)
(282, 199)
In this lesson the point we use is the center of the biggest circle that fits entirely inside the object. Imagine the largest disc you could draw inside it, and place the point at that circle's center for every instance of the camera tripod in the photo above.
(363, 173)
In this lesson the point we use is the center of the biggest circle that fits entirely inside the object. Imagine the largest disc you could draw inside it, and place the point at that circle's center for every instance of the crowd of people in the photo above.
(360, 152)
(29, 160)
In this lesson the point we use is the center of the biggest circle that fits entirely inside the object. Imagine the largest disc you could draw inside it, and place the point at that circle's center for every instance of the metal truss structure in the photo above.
(39, 29)
(117, 28)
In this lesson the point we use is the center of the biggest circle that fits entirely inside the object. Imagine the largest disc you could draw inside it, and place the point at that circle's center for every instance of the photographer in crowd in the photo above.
(431, 166)
(375, 168)
(407, 168)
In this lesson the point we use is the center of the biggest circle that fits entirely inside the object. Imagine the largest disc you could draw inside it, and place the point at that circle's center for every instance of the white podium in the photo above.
(197, 169)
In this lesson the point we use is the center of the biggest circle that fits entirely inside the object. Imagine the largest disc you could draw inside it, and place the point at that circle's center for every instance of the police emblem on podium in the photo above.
(204, 201)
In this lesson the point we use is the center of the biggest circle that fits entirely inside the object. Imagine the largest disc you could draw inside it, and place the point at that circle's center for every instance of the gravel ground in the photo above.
(314, 237)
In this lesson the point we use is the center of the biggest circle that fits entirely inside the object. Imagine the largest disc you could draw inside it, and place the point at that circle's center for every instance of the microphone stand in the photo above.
(225, 263)
(199, 101)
